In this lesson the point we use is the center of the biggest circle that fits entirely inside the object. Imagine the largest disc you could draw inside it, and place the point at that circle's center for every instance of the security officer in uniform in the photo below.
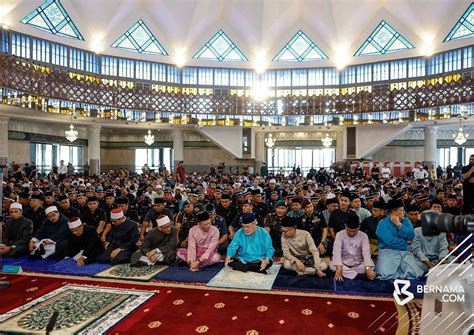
(313, 222)
(219, 222)
(273, 226)
(36, 212)
(226, 209)
(260, 208)
(186, 219)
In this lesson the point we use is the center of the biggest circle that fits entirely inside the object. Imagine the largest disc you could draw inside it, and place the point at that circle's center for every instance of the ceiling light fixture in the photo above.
(327, 141)
(269, 141)
(149, 138)
(461, 137)
(71, 134)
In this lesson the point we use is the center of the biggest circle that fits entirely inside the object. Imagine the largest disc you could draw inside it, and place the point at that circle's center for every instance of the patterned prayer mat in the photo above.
(245, 280)
(125, 271)
(82, 310)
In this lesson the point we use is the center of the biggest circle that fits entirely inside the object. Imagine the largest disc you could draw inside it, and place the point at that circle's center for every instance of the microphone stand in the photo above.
(3, 284)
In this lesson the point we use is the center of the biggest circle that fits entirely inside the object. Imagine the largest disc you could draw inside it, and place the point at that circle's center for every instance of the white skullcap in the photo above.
(116, 214)
(74, 224)
(159, 186)
(164, 220)
(51, 209)
(272, 181)
(16, 205)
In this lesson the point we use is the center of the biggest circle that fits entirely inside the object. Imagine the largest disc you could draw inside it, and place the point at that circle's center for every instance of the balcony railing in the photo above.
(41, 81)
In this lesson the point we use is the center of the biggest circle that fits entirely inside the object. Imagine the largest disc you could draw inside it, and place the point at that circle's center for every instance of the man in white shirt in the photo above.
(420, 173)
(62, 170)
(386, 172)
(151, 194)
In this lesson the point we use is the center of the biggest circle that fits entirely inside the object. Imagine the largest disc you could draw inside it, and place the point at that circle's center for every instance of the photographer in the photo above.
(468, 186)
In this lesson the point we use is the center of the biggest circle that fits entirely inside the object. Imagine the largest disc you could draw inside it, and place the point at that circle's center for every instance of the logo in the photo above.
(401, 288)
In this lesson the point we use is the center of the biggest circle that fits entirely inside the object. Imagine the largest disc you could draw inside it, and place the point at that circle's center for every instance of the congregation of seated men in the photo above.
(352, 225)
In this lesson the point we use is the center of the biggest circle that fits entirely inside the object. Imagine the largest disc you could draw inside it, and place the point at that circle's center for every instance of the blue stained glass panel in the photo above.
(300, 48)
(221, 48)
(139, 39)
(464, 28)
(382, 40)
(51, 16)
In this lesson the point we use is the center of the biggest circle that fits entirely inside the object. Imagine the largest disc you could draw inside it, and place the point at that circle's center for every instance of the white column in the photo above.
(93, 148)
(178, 147)
(430, 145)
(340, 154)
(4, 140)
(259, 150)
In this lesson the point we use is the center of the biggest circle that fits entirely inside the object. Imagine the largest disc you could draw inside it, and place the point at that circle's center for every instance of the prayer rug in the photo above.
(68, 266)
(245, 280)
(181, 274)
(125, 271)
(35, 265)
(289, 280)
(207, 310)
(81, 310)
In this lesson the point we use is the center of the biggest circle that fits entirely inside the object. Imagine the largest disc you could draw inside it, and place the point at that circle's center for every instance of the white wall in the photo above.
(18, 151)
(401, 154)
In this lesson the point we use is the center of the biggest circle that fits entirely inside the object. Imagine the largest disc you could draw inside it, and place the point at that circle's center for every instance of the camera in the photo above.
(433, 223)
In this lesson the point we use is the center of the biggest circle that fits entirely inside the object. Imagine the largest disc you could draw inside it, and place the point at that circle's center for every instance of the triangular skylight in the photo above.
(300, 48)
(139, 39)
(464, 27)
(384, 39)
(221, 48)
(51, 16)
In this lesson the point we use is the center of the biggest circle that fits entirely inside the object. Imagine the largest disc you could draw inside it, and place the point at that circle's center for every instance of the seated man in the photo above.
(351, 252)
(219, 222)
(17, 231)
(394, 232)
(159, 245)
(121, 240)
(273, 226)
(185, 220)
(202, 244)
(429, 250)
(356, 204)
(50, 240)
(254, 247)
(84, 244)
(313, 222)
(369, 225)
(300, 252)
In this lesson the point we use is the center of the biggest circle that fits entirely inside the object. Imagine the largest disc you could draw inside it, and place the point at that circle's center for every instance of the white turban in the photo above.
(163, 221)
(74, 224)
(16, 205)
(51, 209)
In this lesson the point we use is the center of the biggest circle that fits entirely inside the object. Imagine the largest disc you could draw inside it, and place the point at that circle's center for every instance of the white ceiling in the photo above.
(260, 28)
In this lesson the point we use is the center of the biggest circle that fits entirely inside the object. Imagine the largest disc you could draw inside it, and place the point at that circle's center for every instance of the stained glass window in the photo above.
(384, 39)
(221, 48)
(139, 39)
(464, 27)
(51, 16)
(300, 48)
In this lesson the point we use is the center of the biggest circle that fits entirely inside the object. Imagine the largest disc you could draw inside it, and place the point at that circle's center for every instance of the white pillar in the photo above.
(4, 140)
(93, 148)
(259, 150)
(340, 154)
(430, 145)
(178, 147)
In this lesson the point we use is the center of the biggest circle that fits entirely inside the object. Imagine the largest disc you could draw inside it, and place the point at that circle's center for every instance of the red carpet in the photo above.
(203, 311)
